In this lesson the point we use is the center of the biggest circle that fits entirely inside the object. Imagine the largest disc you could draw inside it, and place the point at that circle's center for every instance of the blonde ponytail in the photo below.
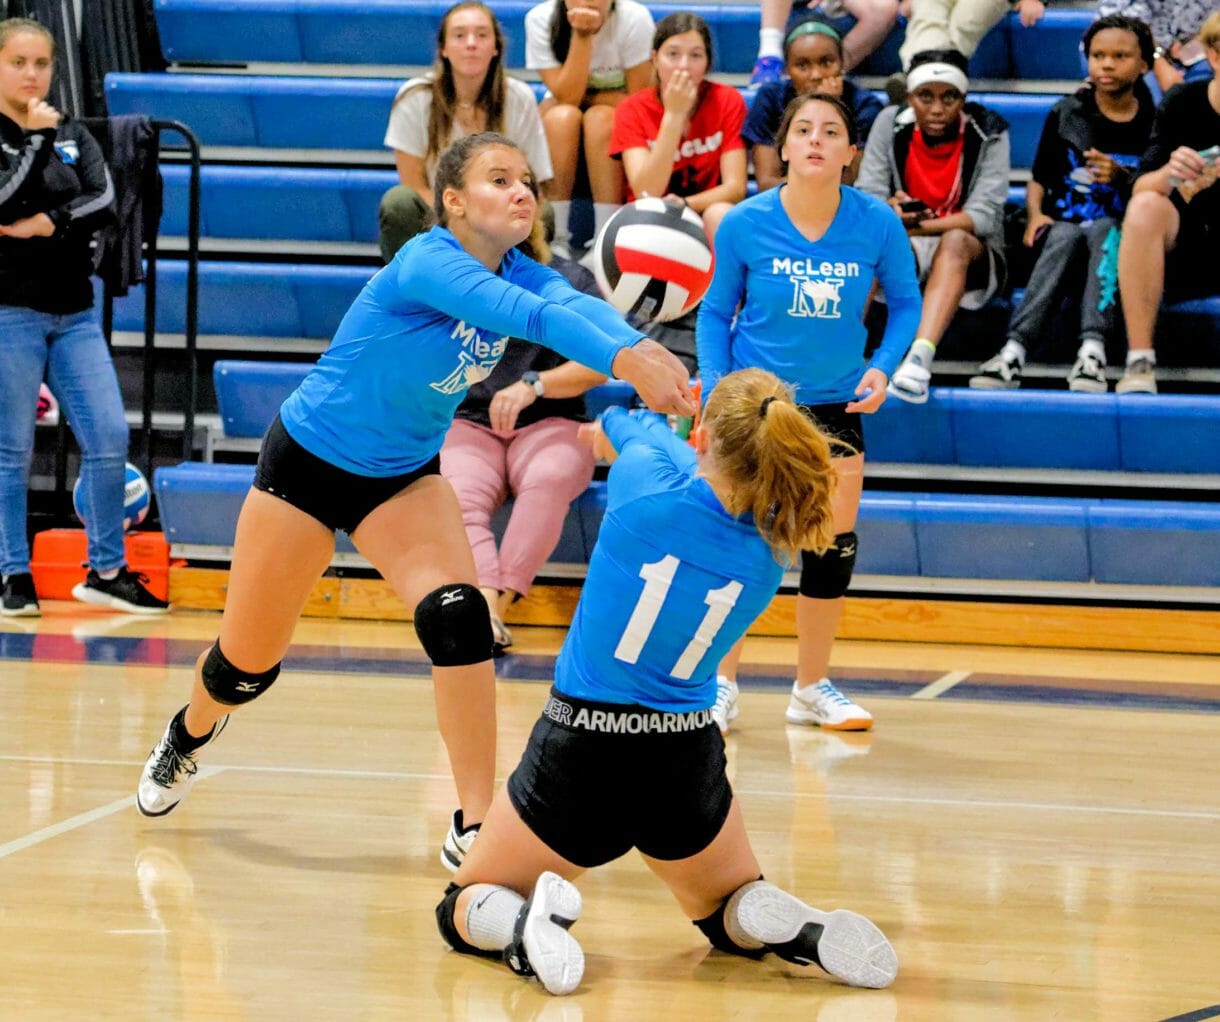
(776, 461)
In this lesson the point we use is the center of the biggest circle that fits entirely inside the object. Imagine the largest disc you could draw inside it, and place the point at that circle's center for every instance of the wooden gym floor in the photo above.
(1037, 831)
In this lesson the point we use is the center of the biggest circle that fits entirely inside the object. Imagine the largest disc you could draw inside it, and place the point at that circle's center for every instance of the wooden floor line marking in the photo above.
(941, 685)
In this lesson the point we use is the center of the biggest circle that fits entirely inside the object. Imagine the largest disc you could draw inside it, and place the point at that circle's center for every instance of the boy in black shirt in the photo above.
(1172, 226)
(1082, 175)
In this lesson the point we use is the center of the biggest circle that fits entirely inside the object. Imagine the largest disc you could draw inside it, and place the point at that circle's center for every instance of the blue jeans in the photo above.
(73, 354)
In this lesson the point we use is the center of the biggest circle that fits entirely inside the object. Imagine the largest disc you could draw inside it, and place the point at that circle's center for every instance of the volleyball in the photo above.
(135, 498)
(653, 259)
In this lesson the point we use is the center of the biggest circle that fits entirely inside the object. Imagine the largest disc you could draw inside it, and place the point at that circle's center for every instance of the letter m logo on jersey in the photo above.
(817, 297)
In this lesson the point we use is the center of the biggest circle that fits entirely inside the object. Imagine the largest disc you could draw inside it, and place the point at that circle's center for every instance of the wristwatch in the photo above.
(534, 380)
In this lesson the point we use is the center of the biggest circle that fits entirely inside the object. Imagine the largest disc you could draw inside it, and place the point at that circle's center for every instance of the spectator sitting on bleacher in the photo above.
(55, 191)
(1090, 148)
(959, 24)
(682, 137)
(515, 433)
(873, 21)
(466, 92)
(813, 57)
(1171, 232)
(1175, 28)
(591, 54)
(943, 165)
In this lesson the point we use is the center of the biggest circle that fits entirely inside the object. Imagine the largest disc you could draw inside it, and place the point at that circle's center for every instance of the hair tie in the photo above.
(762, 409)
(813, 27)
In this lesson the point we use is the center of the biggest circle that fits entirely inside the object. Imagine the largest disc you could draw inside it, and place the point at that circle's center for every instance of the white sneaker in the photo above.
(542, 945)
(910, 382)
(1138, 378)
(457, 842)
(824, 705)
(842, 943)
(725, 711)
(168, 774)
(1088, 375)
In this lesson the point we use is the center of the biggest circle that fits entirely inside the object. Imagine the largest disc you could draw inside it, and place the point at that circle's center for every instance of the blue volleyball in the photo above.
(136, 498)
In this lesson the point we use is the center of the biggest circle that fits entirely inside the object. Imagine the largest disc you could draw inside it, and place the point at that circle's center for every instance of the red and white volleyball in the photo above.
(653, 258)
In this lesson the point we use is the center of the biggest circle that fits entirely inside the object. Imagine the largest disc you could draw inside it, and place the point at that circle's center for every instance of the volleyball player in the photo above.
(800, 261)
(356, 448)
(627, 753)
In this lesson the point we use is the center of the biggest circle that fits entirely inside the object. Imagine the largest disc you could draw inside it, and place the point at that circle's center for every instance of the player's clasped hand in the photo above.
(662, 381)
(40, 114)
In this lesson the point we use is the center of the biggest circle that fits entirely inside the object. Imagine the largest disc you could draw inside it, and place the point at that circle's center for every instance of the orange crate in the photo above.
(59, 558)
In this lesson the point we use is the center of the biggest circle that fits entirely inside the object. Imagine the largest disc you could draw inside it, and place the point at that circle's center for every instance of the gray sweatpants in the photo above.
(1065, 248)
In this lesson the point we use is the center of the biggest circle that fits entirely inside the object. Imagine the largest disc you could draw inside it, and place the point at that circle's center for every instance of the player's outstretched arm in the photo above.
(658, 376)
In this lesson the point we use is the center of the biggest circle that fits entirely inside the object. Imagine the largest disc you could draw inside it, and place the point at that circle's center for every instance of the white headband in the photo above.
(937, 72)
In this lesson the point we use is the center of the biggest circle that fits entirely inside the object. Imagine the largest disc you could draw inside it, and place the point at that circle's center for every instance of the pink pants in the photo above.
(543, 466)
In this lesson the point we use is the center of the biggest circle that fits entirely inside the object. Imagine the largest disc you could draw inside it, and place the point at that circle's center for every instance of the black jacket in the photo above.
(59, 172)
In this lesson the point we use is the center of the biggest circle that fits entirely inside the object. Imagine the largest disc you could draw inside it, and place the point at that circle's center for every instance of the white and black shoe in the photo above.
(541, 944)
(169, 772)
(126, 591)
(841, 943)
(19, 597)
(999, 373)
(1088, 375)
(457, 842)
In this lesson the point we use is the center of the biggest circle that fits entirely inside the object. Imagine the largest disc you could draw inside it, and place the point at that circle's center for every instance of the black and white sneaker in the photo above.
(541, 944)
(126, 591)
(998, 373)
(20, 599)
(1088, 375)
(457, 842)
(169, 773)
(842, 943)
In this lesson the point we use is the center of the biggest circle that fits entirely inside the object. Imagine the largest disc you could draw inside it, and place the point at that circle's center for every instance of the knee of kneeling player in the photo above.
(230, 685)
(454, 626)
(827, 576)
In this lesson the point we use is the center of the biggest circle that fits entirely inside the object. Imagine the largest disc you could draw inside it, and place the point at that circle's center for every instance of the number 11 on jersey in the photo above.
(658, 578)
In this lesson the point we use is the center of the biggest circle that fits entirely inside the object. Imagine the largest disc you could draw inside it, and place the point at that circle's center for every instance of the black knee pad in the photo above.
(230, 685)
(827, 576)
(449, 933)
(454, 626)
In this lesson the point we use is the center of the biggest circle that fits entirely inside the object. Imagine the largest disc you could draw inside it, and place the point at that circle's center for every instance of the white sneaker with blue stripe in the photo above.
(825, 706)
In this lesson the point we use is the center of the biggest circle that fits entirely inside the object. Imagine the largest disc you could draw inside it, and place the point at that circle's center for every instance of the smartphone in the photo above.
(913, 206)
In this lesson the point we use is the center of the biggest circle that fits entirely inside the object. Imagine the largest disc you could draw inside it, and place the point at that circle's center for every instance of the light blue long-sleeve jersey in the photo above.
(803, 302)
(424, 329)
(673, 582)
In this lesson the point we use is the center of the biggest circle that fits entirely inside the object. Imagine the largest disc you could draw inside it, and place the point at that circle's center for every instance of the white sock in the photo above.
(771, 42)
(1147, 353)
(563, 232)
(110, 575)
(490, 918)
(922, 352)
(1013, 351)
(1092, 346)
(602, 211)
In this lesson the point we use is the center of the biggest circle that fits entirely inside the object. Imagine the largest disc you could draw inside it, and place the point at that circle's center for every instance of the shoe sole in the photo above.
(989, 383)
(84, 594)
(23, 612)
(850, 947)
(812, 719)
(907, 396)
(1134, 390)
(1088, 386)
(553, 953)
(151, 814)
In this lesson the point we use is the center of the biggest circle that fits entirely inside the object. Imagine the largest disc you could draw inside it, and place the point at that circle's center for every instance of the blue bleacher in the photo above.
(929, 535)
(403, 32)
(322, 113)
(249, 299)
(278, 203)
